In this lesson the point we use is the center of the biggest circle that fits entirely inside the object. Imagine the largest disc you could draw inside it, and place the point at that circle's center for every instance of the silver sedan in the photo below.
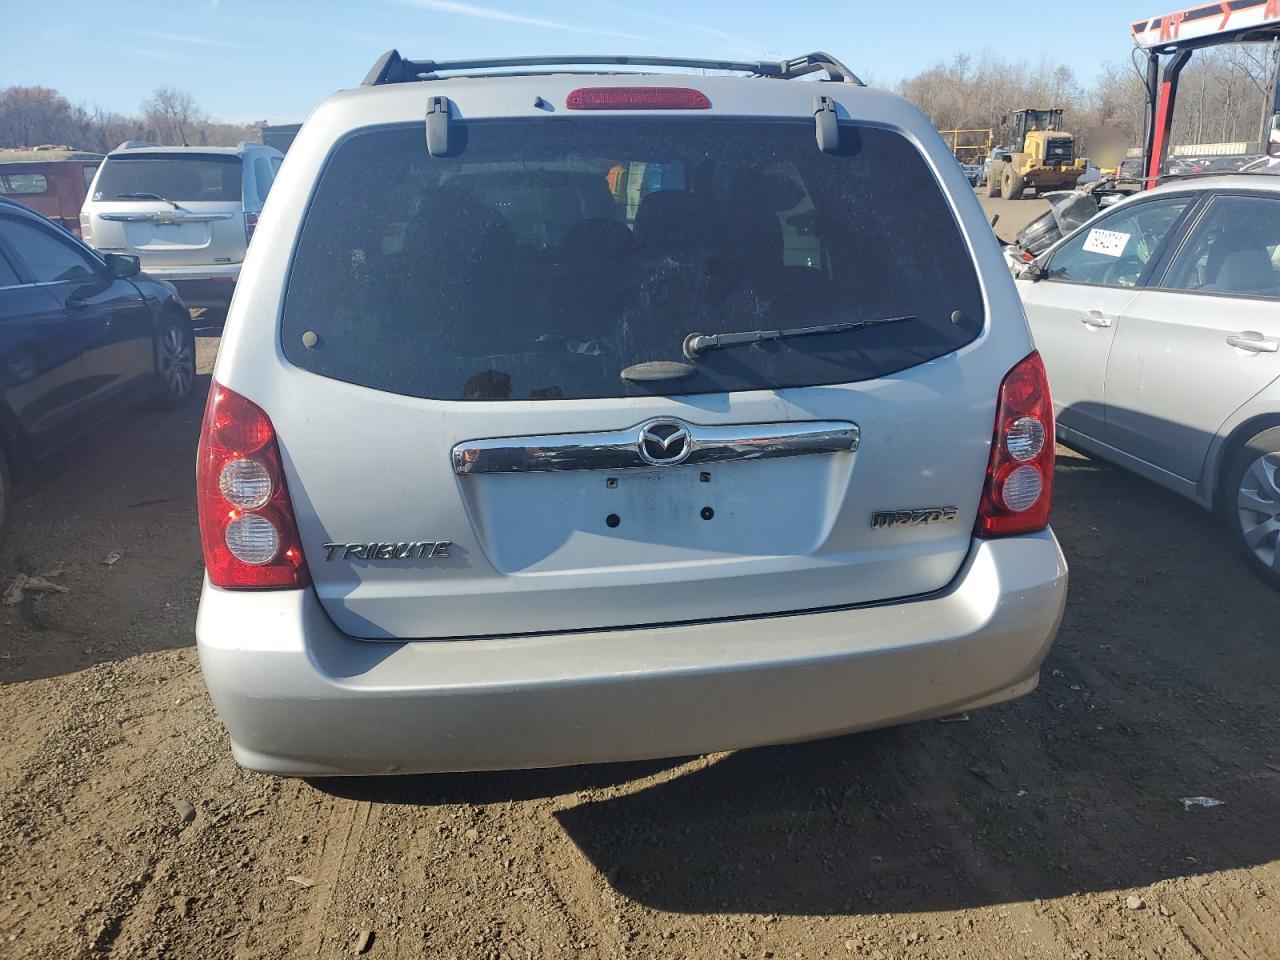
(1159, 324)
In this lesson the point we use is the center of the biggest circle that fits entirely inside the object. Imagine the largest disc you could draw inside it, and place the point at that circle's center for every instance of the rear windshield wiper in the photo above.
(146, 196)
(696, 344)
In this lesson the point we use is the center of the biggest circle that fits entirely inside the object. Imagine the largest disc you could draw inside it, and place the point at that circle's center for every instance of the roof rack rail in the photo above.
(393, 68)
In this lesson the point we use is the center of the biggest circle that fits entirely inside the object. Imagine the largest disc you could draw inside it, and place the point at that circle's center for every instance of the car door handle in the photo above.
(1254, 342)
(1094, 318)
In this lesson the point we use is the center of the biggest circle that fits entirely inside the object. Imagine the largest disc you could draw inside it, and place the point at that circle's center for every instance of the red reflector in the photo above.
(1019, 487)
(637, 98)
(1027, 256)
(234, 428)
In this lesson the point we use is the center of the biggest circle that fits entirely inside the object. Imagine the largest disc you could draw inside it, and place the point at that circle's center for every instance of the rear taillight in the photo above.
(637, 98)
(1019, 484)
(250, 224)
(86, 227)
(247, 525)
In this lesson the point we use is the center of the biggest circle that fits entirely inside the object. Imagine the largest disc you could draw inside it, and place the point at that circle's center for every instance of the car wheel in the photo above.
(6, 495)
(993, 182)
(175, 363)
(1011, 184)
(1252, 502)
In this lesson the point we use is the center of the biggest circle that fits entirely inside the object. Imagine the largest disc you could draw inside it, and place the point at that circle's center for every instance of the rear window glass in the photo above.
(546, 257)
(143, 177)
(17, 184)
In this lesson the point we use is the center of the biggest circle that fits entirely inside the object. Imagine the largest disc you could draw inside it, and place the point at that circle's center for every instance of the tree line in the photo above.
(36, 116)
(1224, 95)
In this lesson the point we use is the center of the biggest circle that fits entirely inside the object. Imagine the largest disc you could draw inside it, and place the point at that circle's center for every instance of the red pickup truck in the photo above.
(50, 182)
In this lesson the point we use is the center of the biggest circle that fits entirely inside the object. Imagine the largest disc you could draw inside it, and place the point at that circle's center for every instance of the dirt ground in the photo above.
(1053, 827)
(1013, 214)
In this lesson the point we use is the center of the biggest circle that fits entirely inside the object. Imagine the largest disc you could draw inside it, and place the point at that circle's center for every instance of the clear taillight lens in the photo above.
(1025, 439)
(247, 526)
(245, 483)
(252, 539)
(86, 227)
(1019, 487)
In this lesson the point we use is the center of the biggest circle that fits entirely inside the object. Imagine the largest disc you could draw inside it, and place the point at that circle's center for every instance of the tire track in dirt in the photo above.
(345, 827)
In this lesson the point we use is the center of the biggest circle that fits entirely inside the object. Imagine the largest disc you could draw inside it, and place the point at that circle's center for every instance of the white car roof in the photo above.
(1266, 179)
(237, 151)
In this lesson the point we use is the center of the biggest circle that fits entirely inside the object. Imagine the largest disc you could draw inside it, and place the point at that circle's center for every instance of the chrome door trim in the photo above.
(621, 449)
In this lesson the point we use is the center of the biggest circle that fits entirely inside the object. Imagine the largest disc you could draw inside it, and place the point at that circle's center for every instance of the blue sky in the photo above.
(274, 59)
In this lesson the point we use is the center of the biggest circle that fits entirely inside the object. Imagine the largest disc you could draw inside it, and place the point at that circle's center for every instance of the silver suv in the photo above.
(568, 417)
(187, 213)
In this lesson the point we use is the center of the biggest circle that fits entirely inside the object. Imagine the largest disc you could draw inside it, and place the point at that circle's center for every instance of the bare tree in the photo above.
(172, 114)
(967, 93)
(1223, 94)
(31, 116)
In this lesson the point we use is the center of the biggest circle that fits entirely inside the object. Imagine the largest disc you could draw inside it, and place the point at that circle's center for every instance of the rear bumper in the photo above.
(300, 698)
(200, 286)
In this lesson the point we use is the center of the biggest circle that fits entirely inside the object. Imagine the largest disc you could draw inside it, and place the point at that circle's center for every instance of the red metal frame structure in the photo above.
(1169, 41)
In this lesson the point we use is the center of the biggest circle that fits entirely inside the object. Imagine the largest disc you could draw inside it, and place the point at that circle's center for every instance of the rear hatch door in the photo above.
(492, 424)
(170, 209)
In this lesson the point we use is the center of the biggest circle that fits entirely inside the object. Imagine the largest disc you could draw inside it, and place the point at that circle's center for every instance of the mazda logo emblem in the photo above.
(664, 442)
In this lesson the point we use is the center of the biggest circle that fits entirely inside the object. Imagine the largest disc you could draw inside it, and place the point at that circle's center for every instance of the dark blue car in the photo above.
(82, 336)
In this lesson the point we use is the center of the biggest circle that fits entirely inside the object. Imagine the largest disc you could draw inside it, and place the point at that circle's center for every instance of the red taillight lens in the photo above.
(247, 526)
(637, 98)
(1019, 485)
(250, 224)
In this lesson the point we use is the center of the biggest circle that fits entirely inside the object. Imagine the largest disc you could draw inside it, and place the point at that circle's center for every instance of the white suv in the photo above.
(187, 213)
(568, 417)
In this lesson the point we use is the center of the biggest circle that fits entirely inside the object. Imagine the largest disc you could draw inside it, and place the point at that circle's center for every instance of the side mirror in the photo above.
(1032, 271)
(123, 265)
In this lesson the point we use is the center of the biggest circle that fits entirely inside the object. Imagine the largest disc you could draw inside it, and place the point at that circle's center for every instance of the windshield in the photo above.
(141, 177)
(547, 257)
(1041, 120)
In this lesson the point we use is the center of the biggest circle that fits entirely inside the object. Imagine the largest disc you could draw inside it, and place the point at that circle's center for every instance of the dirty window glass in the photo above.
(1234, 250)
(544, 258)
(1114, 250)
(188, 177)
(17, 184)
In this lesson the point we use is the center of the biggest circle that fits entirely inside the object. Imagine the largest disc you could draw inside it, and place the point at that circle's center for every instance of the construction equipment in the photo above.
(977, 143)
(1038, 153)
(1174, 37)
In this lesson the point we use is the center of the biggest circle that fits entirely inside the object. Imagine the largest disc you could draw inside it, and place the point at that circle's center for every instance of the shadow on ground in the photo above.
(1160, 687)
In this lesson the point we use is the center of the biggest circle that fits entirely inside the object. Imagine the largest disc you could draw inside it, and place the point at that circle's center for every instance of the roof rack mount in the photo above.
(393, 68)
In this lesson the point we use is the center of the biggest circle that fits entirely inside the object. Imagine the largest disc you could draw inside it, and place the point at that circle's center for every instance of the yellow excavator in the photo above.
(1038, 154)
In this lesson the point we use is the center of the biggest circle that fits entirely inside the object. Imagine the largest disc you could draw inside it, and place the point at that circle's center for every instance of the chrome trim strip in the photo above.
(620, 449)
(161, 217)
